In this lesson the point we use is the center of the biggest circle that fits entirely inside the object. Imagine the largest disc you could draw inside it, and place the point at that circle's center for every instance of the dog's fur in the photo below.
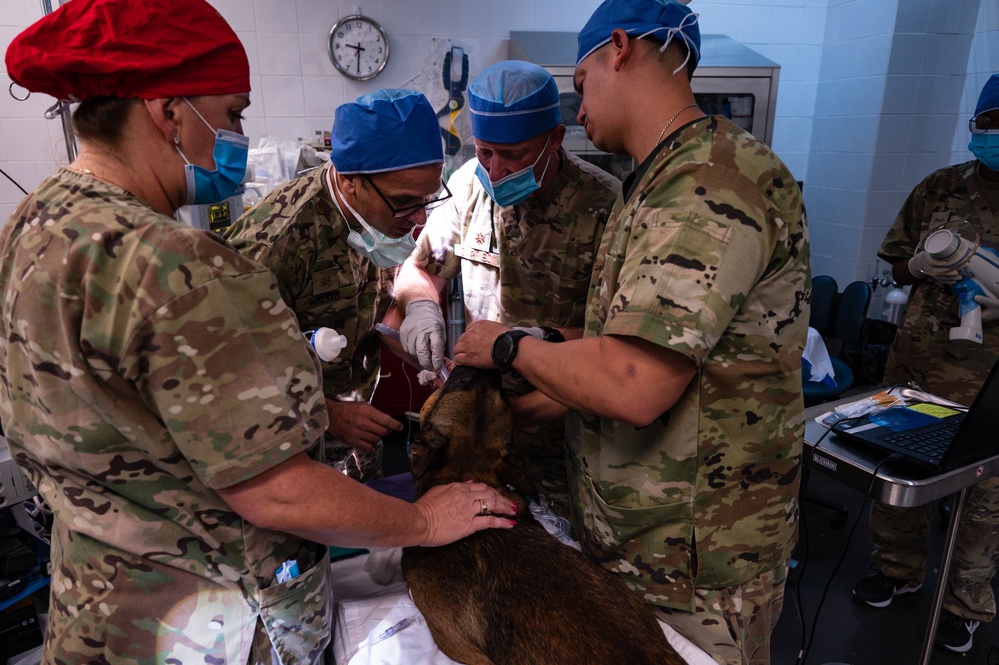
(512, 596)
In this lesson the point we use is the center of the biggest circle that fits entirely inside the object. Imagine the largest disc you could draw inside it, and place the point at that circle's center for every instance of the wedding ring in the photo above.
(483, 507)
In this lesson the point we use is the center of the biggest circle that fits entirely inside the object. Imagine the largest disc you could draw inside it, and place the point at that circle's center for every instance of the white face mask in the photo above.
(381, 250)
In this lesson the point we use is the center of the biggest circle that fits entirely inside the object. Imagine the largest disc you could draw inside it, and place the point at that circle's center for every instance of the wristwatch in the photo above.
(552, 335)
(505, 348)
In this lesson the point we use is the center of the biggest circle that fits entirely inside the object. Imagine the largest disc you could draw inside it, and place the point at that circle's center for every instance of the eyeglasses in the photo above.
(981, 124)
(402, 213)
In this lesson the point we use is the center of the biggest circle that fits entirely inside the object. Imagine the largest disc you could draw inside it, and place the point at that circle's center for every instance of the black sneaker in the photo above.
(877, 590)
(955, 633)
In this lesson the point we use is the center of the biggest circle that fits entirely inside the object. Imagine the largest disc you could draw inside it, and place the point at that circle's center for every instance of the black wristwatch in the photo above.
(552, 335)
(505, 348)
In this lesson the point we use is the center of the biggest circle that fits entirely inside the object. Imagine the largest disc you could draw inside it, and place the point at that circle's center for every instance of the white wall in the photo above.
(873, 93)
(898, 82)
(296, 89)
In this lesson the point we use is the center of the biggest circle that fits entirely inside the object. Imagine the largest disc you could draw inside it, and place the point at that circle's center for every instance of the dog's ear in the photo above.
(427, 451)
(513, 473)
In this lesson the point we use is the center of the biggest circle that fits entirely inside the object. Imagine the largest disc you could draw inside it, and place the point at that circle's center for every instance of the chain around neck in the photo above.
(675, 116)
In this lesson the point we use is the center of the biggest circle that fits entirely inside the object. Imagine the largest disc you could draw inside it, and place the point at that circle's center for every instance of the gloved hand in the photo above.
(923, 264)
(990, 308)
(422, 333)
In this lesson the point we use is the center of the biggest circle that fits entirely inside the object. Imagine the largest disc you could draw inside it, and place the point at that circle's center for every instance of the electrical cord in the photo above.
(6, 175)
(803, 530)
(803, 656)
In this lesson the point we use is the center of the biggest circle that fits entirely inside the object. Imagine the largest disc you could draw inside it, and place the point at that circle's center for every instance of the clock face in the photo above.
(358, 47)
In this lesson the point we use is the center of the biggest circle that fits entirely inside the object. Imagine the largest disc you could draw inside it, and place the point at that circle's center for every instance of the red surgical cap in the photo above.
(130, 48)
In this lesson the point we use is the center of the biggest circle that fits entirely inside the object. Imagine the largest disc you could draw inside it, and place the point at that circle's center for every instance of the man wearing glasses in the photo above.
(521, 231)
(333, 239)
(924, 353)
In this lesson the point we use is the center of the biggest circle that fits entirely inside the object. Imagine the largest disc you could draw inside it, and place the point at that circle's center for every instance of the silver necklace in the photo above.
(677, 115)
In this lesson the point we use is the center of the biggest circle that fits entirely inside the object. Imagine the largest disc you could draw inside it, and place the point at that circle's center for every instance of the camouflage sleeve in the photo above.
(235, 383)
(905, 232)
(685, 275)
(284, 249)
(435, 249)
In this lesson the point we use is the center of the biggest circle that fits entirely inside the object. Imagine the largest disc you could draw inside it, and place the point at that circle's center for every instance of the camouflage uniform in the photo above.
(706, 254)
(300, 235)
(923, 352)
(145, 365)
(525, 265)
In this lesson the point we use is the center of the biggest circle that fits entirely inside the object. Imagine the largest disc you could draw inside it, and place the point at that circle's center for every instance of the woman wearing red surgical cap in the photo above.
(153, 385)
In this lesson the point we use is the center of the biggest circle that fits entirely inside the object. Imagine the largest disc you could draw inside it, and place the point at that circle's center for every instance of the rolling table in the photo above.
(896, 484)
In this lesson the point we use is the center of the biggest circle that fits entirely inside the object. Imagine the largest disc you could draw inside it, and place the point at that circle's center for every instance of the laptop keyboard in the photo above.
(930, 444)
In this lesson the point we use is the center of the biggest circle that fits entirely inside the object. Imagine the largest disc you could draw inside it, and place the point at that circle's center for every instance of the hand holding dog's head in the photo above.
(466, 432)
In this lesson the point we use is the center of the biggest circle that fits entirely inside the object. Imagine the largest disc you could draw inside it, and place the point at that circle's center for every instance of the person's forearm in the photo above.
(414, 283)
(393, 319)
(317, 502)
(620, 378)
(535, 408)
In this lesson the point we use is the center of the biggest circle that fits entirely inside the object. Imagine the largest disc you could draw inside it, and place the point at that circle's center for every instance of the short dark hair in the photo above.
(102, 119)
(675, 53)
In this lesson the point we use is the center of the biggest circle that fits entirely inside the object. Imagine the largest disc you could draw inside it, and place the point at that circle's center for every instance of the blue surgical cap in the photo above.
(989, 99)
(386, 130)
(512, 101)
(664, 19)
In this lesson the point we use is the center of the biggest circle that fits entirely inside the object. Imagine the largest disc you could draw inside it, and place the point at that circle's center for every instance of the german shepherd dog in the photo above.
(512, 596)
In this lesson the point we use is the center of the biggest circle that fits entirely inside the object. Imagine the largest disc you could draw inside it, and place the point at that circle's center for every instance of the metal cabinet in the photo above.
(731, 79)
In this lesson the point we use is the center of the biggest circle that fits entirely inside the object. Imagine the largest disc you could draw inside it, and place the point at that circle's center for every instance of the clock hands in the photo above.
(357, 51)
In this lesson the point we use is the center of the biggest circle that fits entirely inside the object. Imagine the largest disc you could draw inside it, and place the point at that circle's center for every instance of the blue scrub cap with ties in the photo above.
(386, 130)
(512, 101)
(989, 99)
(664, 19)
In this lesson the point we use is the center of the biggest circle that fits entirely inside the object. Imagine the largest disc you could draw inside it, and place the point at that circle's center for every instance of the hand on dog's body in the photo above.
(317, 502)
(445, 507)
(358, 424)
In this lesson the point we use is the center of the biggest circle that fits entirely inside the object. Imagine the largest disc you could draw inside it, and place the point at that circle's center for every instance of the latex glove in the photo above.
(990, 308)
(923, 264)
(422, 333)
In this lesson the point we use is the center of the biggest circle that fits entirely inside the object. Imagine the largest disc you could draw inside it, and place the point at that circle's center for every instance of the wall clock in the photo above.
(358, 47)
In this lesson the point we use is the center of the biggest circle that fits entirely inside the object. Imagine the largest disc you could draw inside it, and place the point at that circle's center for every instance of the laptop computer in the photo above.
(935, 437)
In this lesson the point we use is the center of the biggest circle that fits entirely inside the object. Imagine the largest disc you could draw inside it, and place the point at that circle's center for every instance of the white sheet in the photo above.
(377, 622)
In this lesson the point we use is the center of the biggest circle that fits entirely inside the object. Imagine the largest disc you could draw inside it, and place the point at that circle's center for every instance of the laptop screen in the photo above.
(977, 439)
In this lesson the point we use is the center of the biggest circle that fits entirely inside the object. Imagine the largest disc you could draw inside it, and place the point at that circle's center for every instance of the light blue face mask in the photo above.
(985, 148)
(381, 250)
(230, 153)
(516, 187)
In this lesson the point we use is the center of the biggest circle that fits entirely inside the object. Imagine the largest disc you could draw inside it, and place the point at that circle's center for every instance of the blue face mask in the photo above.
(381, 250)
(516, 187)
(230, 153)
(985, 148)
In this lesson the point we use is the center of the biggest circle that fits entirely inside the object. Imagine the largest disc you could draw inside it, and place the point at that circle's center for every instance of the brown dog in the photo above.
(512, 596)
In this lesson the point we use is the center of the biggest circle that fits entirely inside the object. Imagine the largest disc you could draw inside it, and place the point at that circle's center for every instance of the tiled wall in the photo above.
(295, 87)
(898, 82)
(845, 64)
